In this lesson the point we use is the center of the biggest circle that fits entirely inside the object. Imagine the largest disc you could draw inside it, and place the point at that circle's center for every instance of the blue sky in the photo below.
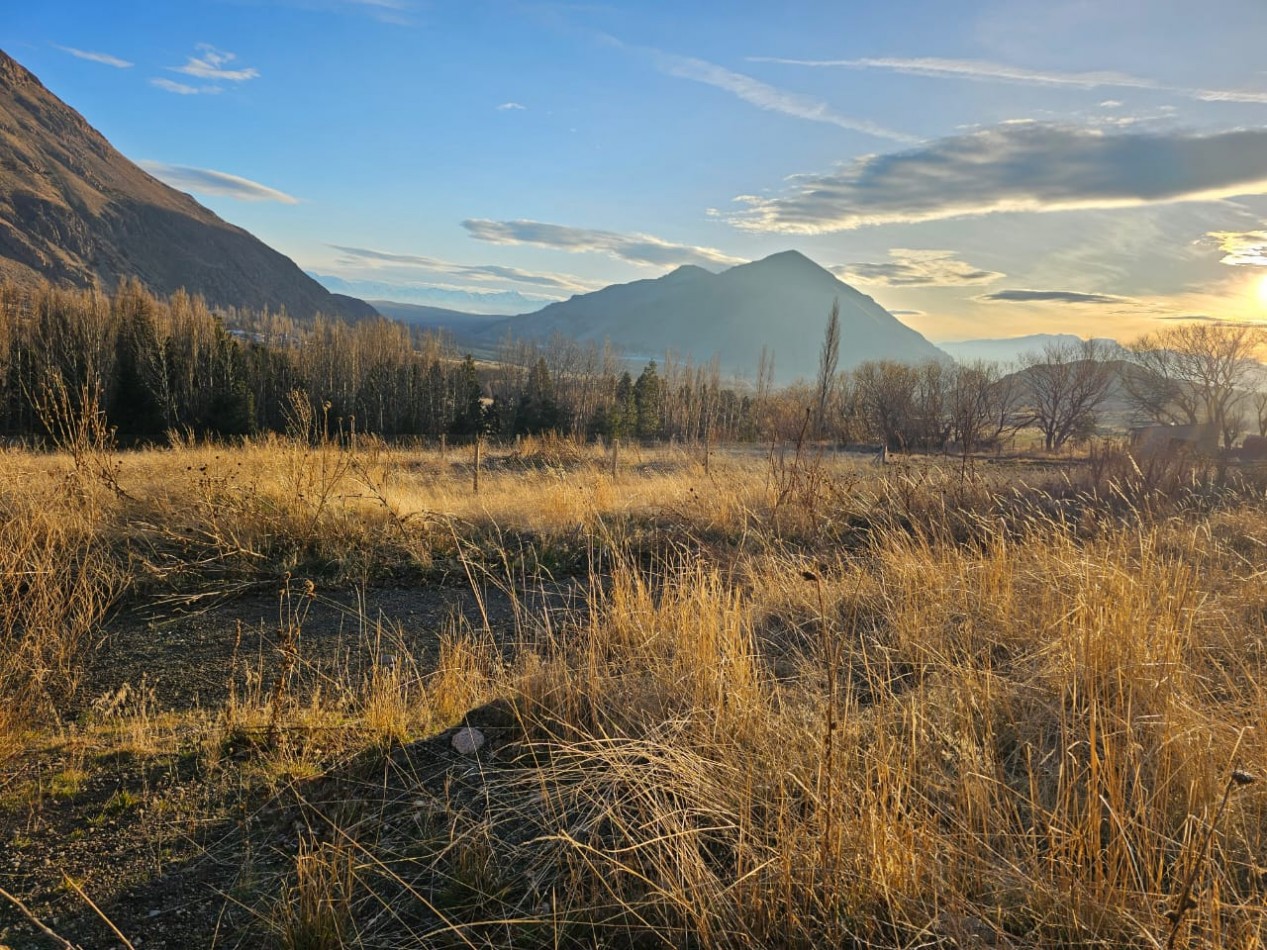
(981, 168)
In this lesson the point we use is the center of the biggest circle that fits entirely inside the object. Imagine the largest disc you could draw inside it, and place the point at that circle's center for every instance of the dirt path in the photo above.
(184, 656)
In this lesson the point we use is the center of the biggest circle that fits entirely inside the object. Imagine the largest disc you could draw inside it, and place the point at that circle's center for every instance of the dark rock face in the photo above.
(76, 212)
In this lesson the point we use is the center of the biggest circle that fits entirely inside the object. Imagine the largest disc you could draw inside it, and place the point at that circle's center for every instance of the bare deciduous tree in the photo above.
(1064, 386)
(1196, 373)
(1260, 412)
(886, 396)
(970, 404)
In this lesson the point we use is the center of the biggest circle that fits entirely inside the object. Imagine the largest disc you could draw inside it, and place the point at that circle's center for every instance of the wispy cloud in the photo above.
(1017, 166)
(207, 181)
(510, 106)
(184, 89)
(104, 58)
(1241, 248)
(211, 65)
(395, 12)
(1052, 296)
(633, 248)
(983, 71)
(373, 259)
(910, 267)
(764, 96)
(1222, 321)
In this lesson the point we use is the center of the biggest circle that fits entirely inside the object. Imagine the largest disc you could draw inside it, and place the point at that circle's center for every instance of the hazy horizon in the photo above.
(986, 171)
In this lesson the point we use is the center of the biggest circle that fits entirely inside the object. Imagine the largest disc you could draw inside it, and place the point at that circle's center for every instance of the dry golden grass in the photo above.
(805, 701)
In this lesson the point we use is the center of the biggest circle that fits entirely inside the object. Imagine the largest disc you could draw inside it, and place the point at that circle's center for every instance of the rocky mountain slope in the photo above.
(76, 212)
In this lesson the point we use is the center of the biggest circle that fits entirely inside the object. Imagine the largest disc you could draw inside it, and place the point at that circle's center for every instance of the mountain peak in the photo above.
(789, 258)
(687, 271)
(786, 264)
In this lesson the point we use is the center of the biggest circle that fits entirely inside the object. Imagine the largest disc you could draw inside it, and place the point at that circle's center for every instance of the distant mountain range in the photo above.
(456, 300)
(1016, 348)
(458, 323)
(76, 212)
(781, 302)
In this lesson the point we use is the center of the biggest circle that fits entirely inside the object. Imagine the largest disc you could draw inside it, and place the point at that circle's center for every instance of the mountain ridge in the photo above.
(76, 212)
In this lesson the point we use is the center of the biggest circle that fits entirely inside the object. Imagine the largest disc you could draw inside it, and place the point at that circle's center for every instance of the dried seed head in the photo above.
(1241, 777)
(809, 575)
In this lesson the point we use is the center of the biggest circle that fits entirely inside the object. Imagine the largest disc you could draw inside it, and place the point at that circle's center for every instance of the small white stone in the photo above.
(468, 740)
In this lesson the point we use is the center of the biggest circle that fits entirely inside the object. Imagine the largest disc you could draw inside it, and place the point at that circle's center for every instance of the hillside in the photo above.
(76, 212)
(780, 302)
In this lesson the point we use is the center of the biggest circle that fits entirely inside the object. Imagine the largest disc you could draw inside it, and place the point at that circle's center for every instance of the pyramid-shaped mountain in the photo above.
(75, 212)
(781, 302)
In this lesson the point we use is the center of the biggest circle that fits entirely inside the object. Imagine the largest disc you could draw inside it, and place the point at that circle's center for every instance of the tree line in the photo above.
(1202, 373)
(155, 366)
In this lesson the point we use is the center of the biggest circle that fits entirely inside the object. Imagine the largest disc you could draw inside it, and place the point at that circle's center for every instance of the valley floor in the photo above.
(759, 698)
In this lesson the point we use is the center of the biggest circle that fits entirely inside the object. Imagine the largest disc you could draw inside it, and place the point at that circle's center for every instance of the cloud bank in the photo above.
(633, 248)
(1017, 166)
(982, 71)
(207, 181)
(104, 58)
(909, 267)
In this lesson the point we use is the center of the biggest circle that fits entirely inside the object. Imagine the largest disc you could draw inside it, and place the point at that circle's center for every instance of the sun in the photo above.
(1262, 290)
